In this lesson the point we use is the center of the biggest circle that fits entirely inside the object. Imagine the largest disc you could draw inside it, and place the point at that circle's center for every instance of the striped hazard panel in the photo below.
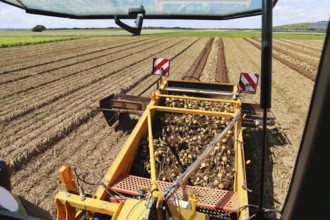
(161, 66)
(248, 82)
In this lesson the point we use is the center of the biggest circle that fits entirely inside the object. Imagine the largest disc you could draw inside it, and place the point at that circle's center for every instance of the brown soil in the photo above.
(48, 118)
(290, 105)
(196, 70)
(289, 61)
(222, 72)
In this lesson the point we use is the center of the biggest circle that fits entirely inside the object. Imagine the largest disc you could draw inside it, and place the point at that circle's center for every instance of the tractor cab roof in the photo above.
(152, 9)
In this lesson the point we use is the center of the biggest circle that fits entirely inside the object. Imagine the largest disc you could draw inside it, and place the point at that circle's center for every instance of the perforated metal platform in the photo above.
(206, 197)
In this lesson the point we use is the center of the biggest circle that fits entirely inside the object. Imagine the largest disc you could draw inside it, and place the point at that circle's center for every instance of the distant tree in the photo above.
(38, 28)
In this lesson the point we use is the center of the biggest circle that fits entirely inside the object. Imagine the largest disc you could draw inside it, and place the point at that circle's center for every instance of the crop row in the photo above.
(298, 48)
(36, 98)
(46, 61)
(309, 45)
(90, 147)
(19, 41)
(61, 124)
(42, 50)
(292, 62)
(64, 69)
(35, 118)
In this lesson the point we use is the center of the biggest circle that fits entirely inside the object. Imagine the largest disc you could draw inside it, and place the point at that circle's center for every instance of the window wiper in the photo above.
(136, 12)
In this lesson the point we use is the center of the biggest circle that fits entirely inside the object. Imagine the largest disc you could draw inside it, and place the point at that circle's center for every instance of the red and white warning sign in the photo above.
(248, 82)
(161, 66)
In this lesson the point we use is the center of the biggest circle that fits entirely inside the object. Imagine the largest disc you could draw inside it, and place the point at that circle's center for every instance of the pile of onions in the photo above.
(183, 137)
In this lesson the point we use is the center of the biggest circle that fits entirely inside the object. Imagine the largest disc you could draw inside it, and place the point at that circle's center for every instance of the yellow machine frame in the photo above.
(71, 205)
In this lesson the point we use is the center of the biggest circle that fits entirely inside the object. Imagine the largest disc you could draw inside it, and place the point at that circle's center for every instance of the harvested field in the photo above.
(49, 93)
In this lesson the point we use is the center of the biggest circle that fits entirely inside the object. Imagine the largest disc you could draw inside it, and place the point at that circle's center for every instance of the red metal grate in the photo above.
(206, 197)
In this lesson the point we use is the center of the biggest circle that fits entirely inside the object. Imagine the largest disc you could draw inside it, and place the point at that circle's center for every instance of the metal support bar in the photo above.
(70, 202)
(192, 111)
(152, 156)
(266, 82)
(266, 54)
(67, 179)
(196, 98)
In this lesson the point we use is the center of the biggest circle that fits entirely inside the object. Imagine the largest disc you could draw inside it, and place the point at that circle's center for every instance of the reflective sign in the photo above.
(248, 82)
(161, 66)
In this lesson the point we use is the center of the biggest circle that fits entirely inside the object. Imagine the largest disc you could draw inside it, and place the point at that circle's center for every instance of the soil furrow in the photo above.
(209, 70)
(290, 106)
(37, 149)
(304, 58)
(302, 44)
(47, 76)
(286, 62)
(89, 152)
(40, 114)
(180, 64)
(25, 106)
(44, 51)
(298, 48)
(196, 70)
(91, 144)
(222, 72)
(68, 130)
(30, 70)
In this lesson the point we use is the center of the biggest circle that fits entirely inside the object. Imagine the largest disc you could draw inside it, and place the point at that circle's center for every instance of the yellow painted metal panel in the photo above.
(241, 177)
(94, 205)
(134, 209)
(125, 158)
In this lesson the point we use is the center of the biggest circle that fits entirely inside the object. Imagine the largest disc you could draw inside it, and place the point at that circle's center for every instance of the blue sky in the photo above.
(285, 12)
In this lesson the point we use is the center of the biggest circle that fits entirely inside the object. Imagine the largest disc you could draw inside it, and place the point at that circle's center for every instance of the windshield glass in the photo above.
(153, 8)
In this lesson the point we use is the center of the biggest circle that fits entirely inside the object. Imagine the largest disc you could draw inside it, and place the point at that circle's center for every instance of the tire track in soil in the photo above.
(46, 77)
(222, 71)
(286, 62)
(36, 147)
(180, 65)
(88, 162)
(210, 68)
(54, 92)
(196, 70)
(29, 70)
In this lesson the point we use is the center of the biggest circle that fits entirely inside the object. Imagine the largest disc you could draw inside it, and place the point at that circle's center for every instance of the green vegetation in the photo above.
(38, 28)
(291, 27)
(6, 41)
(242, 34)
(299, 35)
(320, 26)
(212, 33)
(26, 37)
(79, 32)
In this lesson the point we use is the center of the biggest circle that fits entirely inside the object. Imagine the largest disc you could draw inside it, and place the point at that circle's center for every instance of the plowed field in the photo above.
(49, 93)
